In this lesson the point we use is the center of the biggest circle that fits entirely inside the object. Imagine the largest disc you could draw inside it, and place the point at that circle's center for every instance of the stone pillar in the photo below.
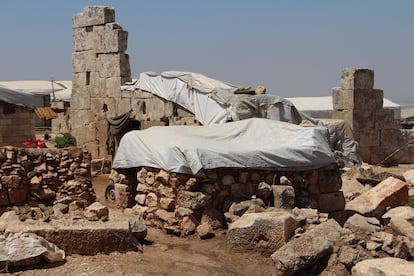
(100, 66)
(361, 106)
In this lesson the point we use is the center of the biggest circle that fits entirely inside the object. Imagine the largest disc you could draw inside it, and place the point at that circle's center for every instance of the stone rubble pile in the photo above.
(41, 177)
(262, 212)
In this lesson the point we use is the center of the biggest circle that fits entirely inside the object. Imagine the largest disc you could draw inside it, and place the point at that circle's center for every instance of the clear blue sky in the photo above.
(294, 48)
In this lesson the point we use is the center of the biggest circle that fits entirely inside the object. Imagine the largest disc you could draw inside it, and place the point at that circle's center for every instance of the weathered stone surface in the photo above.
(403, 212)
(357, 78)
(19, 249)
(358, 223)
(193, 200)
(284, 196)
(205, 231)
(93, 15)
(96, 211)
(402, 227)
(306, 215)
(306, 250)
(391, 192)
(262, 232)
(331, 202)
(80, 236)
(240, 208)
(383, 266)
(350, 256)
(409, 177)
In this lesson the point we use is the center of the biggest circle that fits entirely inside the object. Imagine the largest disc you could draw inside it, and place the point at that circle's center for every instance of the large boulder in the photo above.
(391, 192)
(384, 267)
(263, 232)
(19, 249)
(402, 227)
(403, 212)
(308, 249)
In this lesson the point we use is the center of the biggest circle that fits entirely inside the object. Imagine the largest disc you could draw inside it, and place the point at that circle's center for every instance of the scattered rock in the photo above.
(383, 266)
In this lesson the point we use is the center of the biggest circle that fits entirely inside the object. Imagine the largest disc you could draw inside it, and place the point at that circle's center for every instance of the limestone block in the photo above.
(81, 118)
(262, 232)
(168, 109)
(93, 15)
(306, 250)
(331, 202)
(342, 99)
(329, 181)
(357, 78)
(357, 223)
(193, 200)
(80, 100)
(4, 199)
(182, 112)
(409, 177)
(391, 192)
(402, 227)
(346, 114)
(363, 119)
(104, 108)
(123, 105)
(384, 119)
(83, 40)
(383, 266)
(85, 134)
(110, 38)
(403, 212)
(113, 65)
(113, 87)
(155, 108)
(284, 196)
(85, 62)
(368, 138)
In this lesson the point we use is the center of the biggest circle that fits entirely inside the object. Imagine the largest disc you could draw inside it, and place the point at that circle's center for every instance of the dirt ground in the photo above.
(162, 255)
(168, 255)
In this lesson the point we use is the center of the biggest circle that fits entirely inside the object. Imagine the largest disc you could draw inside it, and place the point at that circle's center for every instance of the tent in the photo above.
(16, 97)
(322, 107)
(213, 101)
(251, 143)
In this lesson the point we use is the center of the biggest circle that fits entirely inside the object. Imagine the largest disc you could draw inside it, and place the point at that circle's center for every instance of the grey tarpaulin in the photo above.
(116, 125)
(251, 143)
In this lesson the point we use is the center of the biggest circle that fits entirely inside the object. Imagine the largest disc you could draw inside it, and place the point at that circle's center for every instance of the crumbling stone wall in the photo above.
(34, 176)
(179, 203)
(16, 125)
(100, 67)
(361, 106)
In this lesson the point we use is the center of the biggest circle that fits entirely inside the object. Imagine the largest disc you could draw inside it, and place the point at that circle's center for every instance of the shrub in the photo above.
(67, 140)
(410, 202)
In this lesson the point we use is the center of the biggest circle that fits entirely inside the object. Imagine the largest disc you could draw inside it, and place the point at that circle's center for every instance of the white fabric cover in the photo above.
(17, 98)
(251, 143)
(213, 101)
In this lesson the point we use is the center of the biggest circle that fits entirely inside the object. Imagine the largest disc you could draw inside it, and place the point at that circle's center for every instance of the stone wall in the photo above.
(34, 176)
(100, 67)
(179, 203)
(374, 128)
(16, 125)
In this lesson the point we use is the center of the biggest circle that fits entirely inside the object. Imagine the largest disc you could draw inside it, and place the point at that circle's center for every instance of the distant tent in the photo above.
(322, 107)
(16, 97)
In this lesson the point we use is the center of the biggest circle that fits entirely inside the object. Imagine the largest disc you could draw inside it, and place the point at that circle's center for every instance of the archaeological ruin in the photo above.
(313, 212)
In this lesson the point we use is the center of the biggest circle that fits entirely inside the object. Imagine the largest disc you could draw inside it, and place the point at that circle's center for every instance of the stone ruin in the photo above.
(374, 128)
(183, 204)
(40, 177)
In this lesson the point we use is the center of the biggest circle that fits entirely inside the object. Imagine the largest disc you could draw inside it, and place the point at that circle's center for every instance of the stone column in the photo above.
(100, 66)
(360, 105)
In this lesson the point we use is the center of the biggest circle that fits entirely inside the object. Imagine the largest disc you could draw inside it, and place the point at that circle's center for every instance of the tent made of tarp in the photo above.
(17, 98)
(322, 107)
(61, 89)
(213, 101)
(251, 143)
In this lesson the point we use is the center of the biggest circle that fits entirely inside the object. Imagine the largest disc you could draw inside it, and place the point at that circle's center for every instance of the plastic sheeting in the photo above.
(213, 101)
(17, 98)
(251, 143)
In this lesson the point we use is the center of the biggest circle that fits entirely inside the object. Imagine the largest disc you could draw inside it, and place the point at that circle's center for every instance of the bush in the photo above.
(67, 140)
(410, 202)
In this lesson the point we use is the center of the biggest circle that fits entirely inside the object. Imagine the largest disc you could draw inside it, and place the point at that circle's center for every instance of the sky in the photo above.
(295, 48)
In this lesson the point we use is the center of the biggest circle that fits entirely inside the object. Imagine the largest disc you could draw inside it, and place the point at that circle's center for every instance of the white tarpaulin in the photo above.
(213, 101)
(17, 98)
(251, 143)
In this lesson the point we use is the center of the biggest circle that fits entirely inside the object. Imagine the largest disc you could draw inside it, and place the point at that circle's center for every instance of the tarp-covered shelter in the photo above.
(213, 101)
(251, 143)
(322, 107)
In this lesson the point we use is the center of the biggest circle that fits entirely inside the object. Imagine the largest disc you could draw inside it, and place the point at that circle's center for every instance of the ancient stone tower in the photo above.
(360, 105)
(100, 66)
